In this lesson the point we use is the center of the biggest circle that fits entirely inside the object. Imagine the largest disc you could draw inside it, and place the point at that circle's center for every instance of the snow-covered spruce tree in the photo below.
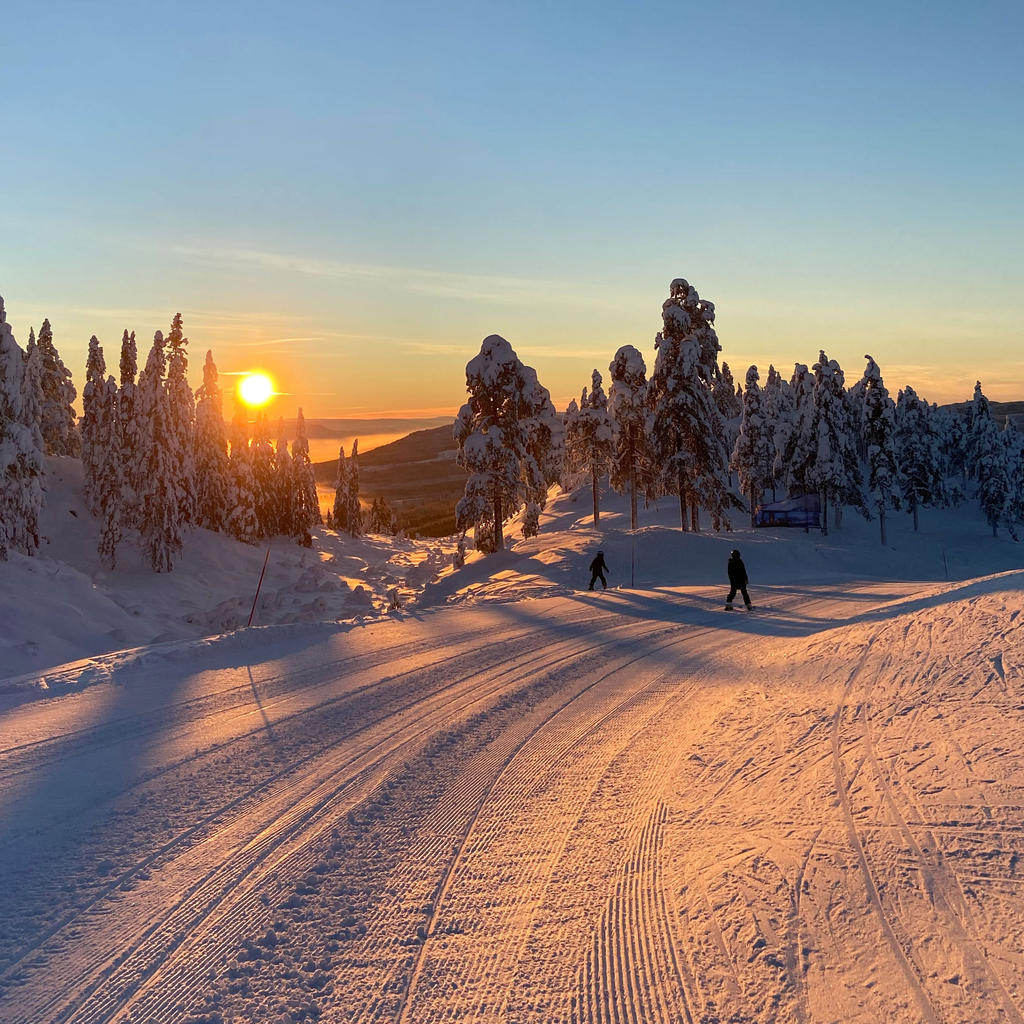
(632, 466)
(261, 456)
(337, 518)
(284, 485)
(160, 499)
(856, 408)
(93, 440)
(917, 453)
(32, 390)
(382, 518)
(796, 408)
(241, 520)
(60, 436)
(729, 400)
(569, 475)
(989, 461)
(307, 503)
(507, 437)
(825, 449)
(588, 438)
(1013, 508)
(21, 459)
(211, 451)
(353, 510)
(109, 472)
(728, 397)
(978, 415)
(686, 427)
(181, 412)
(776, 404)
(131, 431)
(879, 434)
(952, 428)
(753, 454)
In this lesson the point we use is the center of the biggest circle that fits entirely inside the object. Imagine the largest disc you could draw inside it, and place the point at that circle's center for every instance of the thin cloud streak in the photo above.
(417, 280)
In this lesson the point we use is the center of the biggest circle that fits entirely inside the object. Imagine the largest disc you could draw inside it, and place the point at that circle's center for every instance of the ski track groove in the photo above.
(636, 966)
(509, 785)
(843, 783)
(547, 662)
(940, 884)
(100, 966)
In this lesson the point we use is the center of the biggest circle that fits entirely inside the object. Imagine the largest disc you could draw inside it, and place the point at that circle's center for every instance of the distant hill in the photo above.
(1000, 411)
(418, 476)
(325, 428)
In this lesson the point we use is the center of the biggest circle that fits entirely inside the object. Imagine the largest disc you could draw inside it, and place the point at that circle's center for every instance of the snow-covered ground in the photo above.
(512, 799)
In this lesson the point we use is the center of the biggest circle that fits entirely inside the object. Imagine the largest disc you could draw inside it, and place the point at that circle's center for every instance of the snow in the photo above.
(511, 799)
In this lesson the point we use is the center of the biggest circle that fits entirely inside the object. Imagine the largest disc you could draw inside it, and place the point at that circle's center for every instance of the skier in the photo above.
(598, 568)
(737, 581)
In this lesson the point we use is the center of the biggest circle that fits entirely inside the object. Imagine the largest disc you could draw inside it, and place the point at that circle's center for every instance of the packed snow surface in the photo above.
(512, 799)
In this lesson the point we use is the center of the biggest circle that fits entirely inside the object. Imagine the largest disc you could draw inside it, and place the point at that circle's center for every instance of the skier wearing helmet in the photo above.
(737, 581)
(598, 568)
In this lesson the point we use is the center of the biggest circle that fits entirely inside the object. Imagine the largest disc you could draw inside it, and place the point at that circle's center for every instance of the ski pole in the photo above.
(258, 585)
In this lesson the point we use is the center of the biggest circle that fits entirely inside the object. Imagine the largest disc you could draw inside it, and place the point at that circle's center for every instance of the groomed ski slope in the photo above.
(519, 801)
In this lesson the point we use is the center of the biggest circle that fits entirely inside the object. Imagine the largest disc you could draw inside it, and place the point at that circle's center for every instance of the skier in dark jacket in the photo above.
(597, 570)
(737, 580)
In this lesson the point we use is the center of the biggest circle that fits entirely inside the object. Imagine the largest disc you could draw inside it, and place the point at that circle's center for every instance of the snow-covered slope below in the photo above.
(63, 605)
(513, 799)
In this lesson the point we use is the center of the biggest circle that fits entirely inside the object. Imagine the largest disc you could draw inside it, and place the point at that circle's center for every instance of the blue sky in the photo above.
(353, 196)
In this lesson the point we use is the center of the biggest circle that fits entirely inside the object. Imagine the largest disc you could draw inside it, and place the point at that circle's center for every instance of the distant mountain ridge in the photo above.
(417, 474)
(320, 427)
(1000, 411)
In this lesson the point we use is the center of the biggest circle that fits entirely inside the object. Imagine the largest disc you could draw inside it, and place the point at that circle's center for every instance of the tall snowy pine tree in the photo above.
(338, 517)
(506, 435)
(160, 500)
(754, 452)
(307, 503)
(181, 414)
(212, 469)
(879, 434)
(130, 431)
(589, 438)
(353, 511)
(632, 467)
(241, 520)
(60, 436)
(21, 459)
(93, 440)
(686, 426)
(917, 453)
(108, 481)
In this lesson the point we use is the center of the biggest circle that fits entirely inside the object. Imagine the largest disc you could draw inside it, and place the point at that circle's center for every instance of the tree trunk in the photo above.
(881, 522)
(913, 505)
(824, 512)
(695, 517)
(632, 497)
(597, 513)
(753, 504)
(681, 482)
(499, 539)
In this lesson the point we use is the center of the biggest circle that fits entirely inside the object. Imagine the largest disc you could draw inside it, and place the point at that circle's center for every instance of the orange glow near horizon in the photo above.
(255, 389)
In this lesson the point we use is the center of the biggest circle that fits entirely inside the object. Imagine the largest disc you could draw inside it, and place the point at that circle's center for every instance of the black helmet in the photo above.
(735, 554)
(599, 551)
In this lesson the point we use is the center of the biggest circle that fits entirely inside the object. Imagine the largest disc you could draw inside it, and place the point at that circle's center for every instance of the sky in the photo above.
(352, 196)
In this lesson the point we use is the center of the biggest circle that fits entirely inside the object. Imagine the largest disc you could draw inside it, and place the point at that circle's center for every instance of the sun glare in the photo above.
(256, 389)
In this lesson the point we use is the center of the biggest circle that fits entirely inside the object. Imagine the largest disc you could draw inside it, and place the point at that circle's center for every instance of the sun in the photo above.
(255, 389)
